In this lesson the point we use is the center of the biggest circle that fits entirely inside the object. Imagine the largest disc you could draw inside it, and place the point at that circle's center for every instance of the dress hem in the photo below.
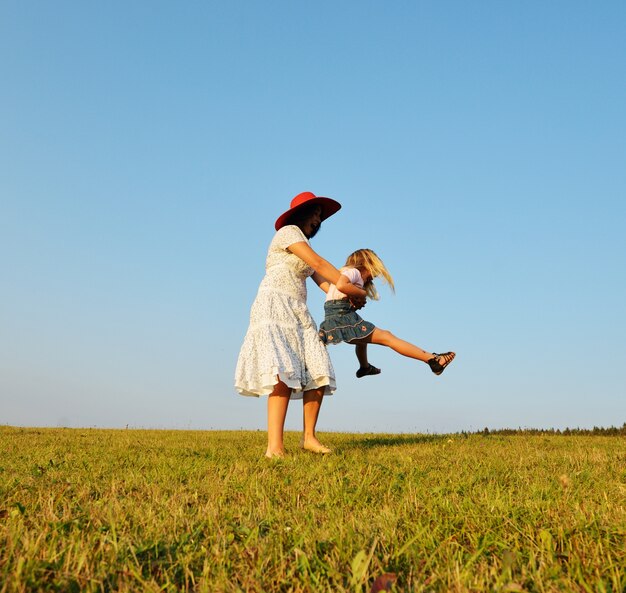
(296, 386)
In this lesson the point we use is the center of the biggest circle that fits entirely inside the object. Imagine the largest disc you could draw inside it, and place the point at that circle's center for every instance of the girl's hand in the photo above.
(358, 302)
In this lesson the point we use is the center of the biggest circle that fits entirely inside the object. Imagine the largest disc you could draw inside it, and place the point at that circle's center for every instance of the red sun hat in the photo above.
(329, 207)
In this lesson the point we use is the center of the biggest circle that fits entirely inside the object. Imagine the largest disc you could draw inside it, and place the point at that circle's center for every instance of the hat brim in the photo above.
(329, 207)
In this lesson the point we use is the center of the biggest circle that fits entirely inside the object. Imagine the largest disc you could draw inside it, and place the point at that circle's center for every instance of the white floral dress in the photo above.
(282, 339)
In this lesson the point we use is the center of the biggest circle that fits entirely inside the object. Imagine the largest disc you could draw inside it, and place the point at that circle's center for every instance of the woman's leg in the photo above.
(311, 404)
(277, 404)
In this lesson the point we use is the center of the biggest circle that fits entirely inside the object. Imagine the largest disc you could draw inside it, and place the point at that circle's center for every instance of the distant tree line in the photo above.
(595, 431)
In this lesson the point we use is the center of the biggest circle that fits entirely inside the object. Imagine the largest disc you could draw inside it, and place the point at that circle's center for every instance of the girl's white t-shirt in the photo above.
(353, 275)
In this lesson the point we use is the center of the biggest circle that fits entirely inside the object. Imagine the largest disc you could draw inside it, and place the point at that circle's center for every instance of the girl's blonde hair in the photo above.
(367, 259)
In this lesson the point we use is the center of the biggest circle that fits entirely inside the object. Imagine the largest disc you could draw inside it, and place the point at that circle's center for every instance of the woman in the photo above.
(282, 355)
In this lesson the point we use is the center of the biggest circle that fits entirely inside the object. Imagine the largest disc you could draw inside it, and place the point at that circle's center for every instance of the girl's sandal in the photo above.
(368, 370)
(438, 367)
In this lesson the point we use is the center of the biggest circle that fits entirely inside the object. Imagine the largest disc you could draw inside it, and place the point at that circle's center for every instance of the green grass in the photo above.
(133, 510)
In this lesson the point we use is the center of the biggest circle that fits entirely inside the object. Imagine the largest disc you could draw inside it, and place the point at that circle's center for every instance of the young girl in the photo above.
(343, 324)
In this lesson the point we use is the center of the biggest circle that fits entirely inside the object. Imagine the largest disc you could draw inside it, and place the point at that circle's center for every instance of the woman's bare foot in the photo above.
(275, 454)
(314, 446)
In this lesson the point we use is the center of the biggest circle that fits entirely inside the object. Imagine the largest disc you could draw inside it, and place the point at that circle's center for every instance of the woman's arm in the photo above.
(321, 281)
(324, 268)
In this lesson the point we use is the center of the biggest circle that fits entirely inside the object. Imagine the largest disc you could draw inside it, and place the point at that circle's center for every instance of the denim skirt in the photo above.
(342, 323)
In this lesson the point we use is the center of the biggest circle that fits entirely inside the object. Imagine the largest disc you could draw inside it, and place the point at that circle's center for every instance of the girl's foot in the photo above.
(439, 362)
(368, 370)
(314, 446)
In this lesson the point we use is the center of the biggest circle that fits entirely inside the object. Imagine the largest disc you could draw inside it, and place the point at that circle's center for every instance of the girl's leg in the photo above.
(361, 355)
(277, 404)
(311, 404)
(386, 338)
(437, 362)
(365, 368)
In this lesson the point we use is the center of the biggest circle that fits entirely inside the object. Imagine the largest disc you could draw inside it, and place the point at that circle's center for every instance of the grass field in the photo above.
(133, 510)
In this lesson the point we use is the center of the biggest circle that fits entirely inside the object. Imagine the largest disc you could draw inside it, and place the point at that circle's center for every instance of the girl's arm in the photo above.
(325, 269)
(344, 284)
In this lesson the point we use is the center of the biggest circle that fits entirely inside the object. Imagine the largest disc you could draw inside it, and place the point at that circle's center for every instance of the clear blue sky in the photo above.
(146, 149)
